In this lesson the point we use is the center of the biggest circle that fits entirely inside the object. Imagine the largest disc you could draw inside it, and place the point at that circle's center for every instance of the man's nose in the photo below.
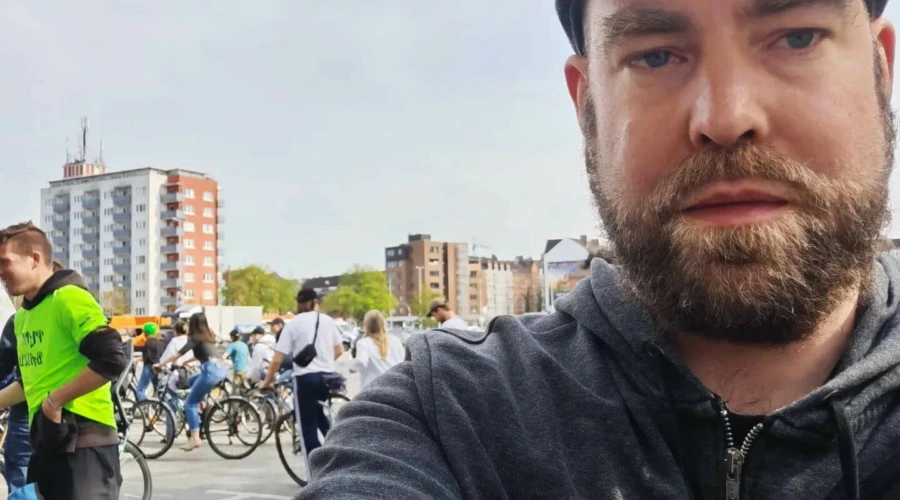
(727, 108)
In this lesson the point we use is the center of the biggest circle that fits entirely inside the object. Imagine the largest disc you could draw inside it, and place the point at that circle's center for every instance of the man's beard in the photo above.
(770, 283)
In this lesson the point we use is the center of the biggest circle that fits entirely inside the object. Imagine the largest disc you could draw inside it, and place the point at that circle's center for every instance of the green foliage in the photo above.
(361, 290)
(420, 306)
(255, 286)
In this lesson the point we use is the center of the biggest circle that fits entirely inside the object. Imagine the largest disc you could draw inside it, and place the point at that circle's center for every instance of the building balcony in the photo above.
(92, 203)
(169, 249)
(61, 240)
(93, 253)
(91, 221)
(220, 202)
(168, 301)
(170, 283)
(61, 205)
(172, 214)
(93, 237)
(60, 224)
(122, 267)
(169, 232)
(94, 288)
(61, 256)
(122, 234)
(122, 217)
(91, 270)
(121, 199)
(170, 265)
(176, 197)
(122, 250)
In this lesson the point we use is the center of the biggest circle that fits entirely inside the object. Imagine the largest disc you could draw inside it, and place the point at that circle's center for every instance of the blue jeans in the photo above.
(147, 376)
(211, 373)
(18, 448)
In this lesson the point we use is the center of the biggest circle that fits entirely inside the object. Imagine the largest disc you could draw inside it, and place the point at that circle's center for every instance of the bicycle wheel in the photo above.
(289, 451)
(137, 481)
(228, 419)
(157, 425)
(268, 411)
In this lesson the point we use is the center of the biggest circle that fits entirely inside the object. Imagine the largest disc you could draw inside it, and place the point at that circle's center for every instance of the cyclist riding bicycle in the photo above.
(67, 357)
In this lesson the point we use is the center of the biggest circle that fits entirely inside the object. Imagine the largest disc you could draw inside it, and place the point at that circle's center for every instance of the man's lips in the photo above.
(730, 204)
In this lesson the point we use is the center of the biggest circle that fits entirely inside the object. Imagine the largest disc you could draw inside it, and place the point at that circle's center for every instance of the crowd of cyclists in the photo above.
(67, 378)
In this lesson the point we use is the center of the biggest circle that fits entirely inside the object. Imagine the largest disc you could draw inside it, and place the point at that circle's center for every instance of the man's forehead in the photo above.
(741, 8)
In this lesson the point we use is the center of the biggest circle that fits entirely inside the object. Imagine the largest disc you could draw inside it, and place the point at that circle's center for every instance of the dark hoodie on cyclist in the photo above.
(589, 403)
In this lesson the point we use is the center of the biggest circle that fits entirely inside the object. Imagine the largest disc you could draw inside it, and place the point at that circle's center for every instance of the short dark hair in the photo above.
(26, 239)
(277, 321)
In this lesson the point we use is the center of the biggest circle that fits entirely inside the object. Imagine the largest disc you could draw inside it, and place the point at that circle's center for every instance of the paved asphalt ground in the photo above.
(203, 475)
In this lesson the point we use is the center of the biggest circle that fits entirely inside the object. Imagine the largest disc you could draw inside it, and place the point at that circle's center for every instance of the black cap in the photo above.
(306, 295)
(570, 15)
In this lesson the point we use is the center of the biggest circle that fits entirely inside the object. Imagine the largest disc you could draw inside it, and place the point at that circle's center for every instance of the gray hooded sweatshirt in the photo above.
(589, 402)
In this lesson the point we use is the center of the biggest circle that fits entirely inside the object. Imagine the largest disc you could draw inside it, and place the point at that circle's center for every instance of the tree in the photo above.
(420, 306)
(255, 286)
(116, 302)
(360, 290)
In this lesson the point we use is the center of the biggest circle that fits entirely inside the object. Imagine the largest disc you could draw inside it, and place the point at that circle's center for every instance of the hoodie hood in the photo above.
(867, 371)
(58, 280)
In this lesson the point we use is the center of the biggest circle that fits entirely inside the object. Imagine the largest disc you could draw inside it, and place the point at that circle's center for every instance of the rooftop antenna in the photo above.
(68, 155)
(100, 158)
(84, 131)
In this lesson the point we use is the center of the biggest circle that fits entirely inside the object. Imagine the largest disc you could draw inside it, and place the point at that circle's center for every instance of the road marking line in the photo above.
(241, 495)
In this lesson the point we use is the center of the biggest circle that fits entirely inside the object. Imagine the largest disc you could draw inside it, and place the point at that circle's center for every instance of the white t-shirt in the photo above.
(456, 323)
(299, 332)
(368, 360)
(174, 346)
(263, 351)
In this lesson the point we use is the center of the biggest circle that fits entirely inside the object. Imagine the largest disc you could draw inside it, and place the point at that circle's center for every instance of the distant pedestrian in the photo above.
(153, 350)
(377, 351)
(240, 360)
(442, 313)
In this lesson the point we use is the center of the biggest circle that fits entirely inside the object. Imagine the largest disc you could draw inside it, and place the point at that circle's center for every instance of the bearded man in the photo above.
(747, 342)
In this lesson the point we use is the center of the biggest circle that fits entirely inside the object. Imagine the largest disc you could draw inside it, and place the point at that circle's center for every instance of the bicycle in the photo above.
(128, 451)
(236, 412)
(296, 454)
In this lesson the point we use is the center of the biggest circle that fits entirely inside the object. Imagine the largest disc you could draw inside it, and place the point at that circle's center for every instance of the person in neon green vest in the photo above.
(67, 357)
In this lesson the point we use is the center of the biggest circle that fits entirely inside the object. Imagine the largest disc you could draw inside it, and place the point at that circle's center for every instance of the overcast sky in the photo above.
(335, 128)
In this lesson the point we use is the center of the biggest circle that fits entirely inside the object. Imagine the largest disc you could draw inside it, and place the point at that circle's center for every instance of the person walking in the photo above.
(309, 328)
(377, 351)
(441, 312)
(202, 343)
(153, 350)
(67, 358)
(240, 359)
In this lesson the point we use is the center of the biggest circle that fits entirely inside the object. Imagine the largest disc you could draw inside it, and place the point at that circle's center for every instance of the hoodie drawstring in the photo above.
(846, 450)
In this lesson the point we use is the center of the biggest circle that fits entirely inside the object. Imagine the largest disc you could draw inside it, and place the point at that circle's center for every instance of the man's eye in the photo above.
(802, 39)
(654, 59)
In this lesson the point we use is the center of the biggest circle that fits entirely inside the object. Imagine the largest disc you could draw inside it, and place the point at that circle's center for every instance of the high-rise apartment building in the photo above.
(423, 266)
(491, 290)
(145, 240)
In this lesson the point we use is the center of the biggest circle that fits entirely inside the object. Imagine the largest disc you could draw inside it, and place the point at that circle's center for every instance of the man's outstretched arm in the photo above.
(382, 448)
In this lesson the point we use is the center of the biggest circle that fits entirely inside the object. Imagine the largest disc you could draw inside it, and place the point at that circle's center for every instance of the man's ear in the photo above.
(576, 72)
(885, 42)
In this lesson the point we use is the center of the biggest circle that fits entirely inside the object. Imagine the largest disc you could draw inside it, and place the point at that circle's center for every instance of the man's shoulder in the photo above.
(72, 294)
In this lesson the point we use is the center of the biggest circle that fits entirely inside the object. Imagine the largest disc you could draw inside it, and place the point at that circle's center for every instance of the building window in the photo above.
(142, 243)
(188, 243)
(189, 294)
(434, 262)
(435, 274)
(108, 279)
(390, 252)
(189, 194)
(208, 212)
(189, 260)
(189, 209)
(141, 259)
(141, 277)
(208, 196)
(208, 229)
(434, 250)
(435, 286)
(207, 295)
(207, 277)
(140, 208)
(208, 262)
(188, 277)
(208, 245)
(189, 227)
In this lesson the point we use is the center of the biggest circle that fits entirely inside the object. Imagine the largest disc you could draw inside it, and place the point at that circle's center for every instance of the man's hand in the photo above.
(52, 412)
(265, 385)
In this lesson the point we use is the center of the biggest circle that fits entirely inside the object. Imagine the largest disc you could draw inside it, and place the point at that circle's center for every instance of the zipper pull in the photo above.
(734, 462)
